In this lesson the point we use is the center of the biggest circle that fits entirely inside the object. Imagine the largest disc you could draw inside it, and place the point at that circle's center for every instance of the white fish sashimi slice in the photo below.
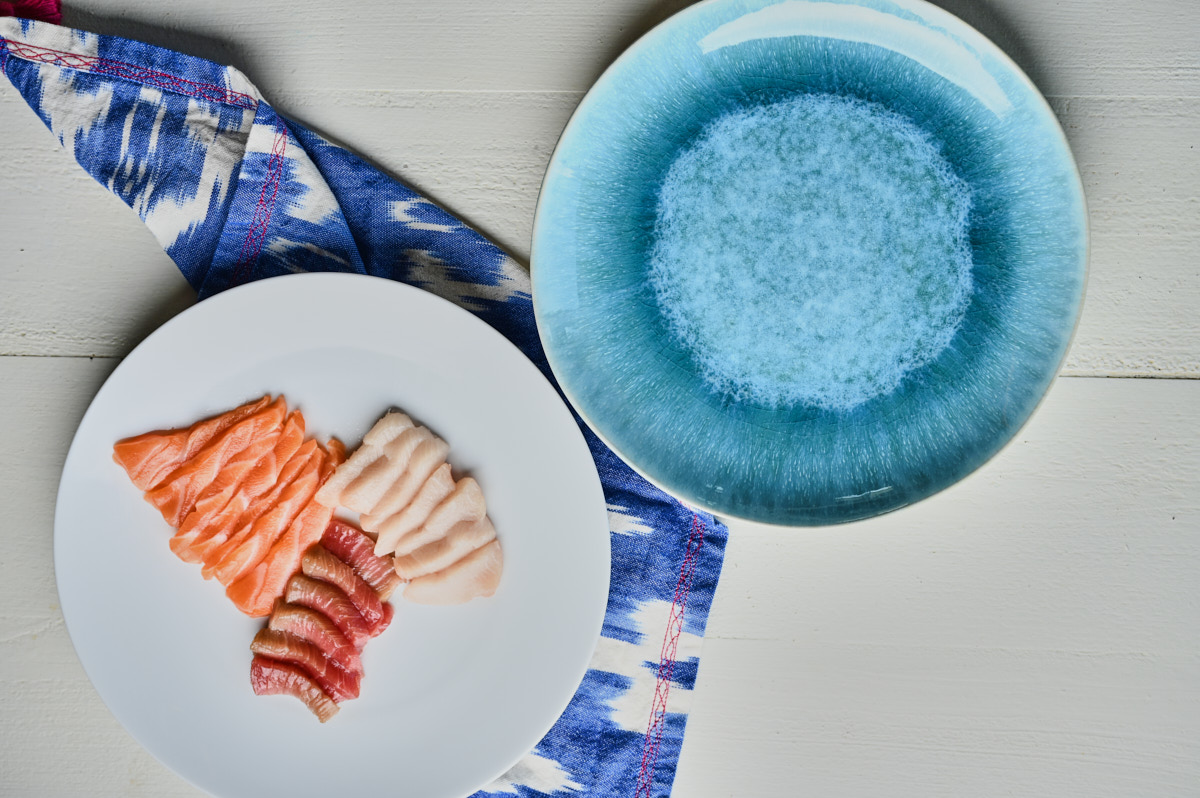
(461, 540)
(384, 431)
(439, 485)
(387, 429)
(464, 504)
(330, 494)
(425, 459)
(477, 574)
(364, 492)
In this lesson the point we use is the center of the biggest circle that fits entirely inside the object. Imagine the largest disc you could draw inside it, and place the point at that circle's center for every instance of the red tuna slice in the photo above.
(330, 601)
(176, 495)
(272, 677)
(150, 457)
(318, 630)
(338, 683)
(320, 563)
(192, 541)
(350, 545)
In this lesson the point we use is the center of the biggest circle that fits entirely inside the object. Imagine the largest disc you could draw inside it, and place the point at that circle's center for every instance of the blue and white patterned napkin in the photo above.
(234, 192)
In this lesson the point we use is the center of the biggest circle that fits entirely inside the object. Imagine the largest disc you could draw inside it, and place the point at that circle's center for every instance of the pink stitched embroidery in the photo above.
(122, 69)
(666, 663)
(257, 234)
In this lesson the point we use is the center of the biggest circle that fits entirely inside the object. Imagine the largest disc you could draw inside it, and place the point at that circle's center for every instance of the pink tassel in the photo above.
(43, 10)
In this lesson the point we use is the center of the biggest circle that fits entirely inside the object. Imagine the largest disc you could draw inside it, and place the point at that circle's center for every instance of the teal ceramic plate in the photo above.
(808, 262)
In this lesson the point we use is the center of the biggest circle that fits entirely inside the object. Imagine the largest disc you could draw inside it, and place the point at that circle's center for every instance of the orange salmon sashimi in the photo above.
(228, 482)
(176, 495)
(206, 550)
(150, 457)
(201, 526)
(254, 592)
(240, 558)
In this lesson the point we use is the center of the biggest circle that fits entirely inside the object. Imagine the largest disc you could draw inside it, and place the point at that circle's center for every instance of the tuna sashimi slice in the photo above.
(351, 546)
(318, 630)
(338, 683)
(465, 503)
(425, 460)
(176, 495)
(238, 559)
(150, 457)
(439, 485)
(477, 574)
(255, 592)
(462, 539)
(319, 562)
(368, 487)
(272, 677)
(196, 531)
(329, 600)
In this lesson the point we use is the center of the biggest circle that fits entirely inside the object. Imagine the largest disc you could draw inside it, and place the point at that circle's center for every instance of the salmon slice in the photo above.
(259, 490)
(351, 546)
(330, 601)
(319, 562)
(228, 482)
(237, 558)
(365, 491)
(465, 503)
(176, 495)
(439, 485)
(272, 677)
(150, 457)
(477, 574)
(319, 630)
(462, 539)
(255, 592)
(425, 460)
(337, 683)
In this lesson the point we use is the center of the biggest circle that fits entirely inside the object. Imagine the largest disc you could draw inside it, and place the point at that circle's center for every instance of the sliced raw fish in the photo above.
(150, 457)
(462, 539)
(204, 545)
(330, 494)
(320, 563)
(175, 496)
(329, 600)
(272, 677)
(255, 592)
(220, 492)
(352, 546)
(364, 492)
(387, 429)
(238, 559)
(439, 485)
(425, 460)
(318, 630)
(465, 503)
(339, 684)
(477, 574)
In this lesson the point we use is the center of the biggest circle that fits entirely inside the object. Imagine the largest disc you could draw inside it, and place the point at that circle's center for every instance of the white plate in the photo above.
(451, 696)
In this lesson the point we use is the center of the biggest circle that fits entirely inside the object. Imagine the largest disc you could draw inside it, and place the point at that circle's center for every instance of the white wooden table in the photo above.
(1034, 630)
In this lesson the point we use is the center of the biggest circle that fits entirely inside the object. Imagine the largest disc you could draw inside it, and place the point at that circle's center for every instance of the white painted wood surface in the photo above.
(1034, 630)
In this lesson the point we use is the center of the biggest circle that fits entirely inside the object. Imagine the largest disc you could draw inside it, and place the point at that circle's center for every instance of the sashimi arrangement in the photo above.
(253, 502)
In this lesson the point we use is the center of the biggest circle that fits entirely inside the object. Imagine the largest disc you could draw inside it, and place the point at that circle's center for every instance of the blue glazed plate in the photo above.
(808, 262)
